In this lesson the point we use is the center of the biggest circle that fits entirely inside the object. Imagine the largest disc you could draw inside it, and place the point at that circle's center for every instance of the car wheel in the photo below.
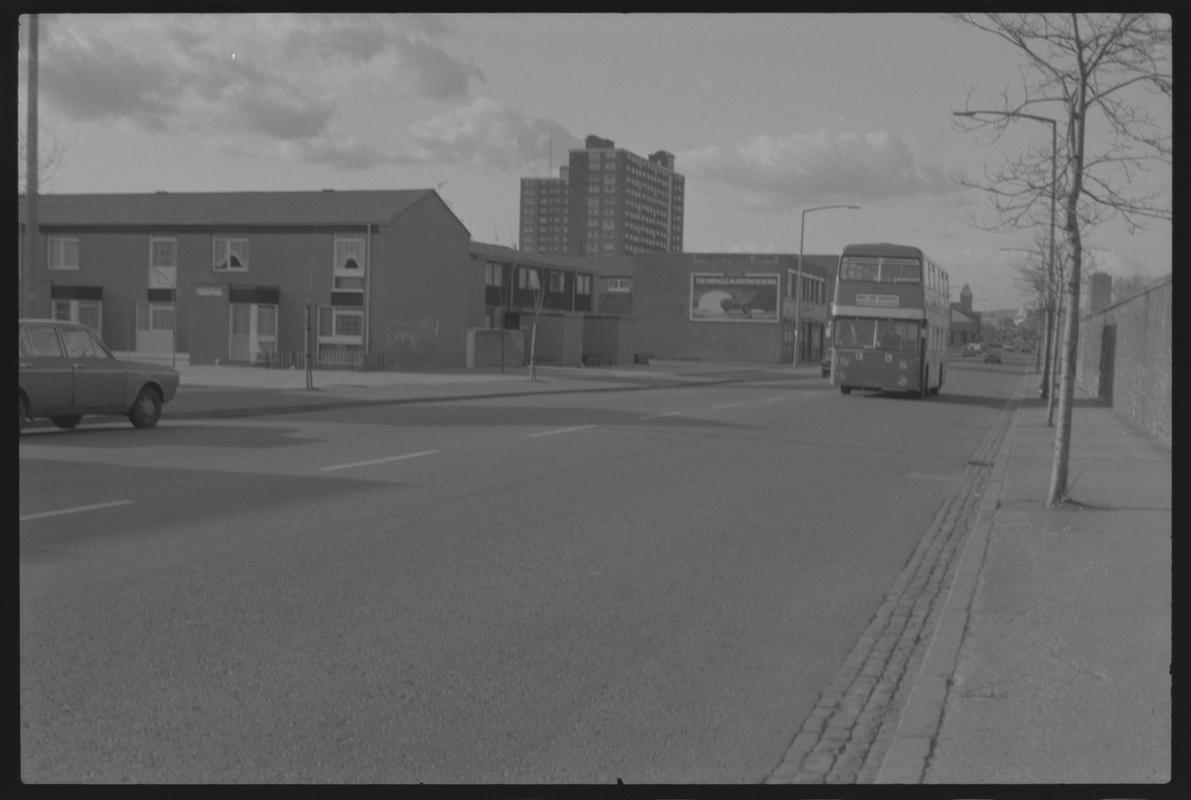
(845, 390)
(65, 422)
(146, 410)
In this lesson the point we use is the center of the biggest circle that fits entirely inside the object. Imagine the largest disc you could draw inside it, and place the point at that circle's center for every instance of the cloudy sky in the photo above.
(767, 115)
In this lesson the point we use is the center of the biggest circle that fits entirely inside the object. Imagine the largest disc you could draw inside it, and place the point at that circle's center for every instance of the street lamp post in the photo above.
(1045, 389)
(1041, 309)
(798, 279)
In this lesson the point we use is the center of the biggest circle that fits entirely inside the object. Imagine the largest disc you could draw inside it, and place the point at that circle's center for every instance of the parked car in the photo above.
(66, 372)
(972, 349)
(825, 364)
(992, 355)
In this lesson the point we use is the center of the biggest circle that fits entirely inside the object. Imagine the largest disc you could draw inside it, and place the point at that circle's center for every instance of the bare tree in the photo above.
(50, 152)
(1091, 71)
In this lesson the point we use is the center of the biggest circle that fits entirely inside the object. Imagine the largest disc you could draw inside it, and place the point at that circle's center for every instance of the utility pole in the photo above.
(32, 238)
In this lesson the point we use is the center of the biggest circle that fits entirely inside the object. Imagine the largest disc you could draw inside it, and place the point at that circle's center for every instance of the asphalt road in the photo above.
(645, 585)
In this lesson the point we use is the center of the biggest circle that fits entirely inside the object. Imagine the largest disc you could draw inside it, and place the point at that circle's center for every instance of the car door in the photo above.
(45, 373)
(99, 378)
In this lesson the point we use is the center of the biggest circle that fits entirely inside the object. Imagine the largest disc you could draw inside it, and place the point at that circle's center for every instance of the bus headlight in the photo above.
(903, 364)
(902, 380)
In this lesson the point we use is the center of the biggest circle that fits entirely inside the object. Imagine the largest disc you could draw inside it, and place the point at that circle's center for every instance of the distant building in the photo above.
(544, 215)
(606, 202)
(717, 306)
(965, 323)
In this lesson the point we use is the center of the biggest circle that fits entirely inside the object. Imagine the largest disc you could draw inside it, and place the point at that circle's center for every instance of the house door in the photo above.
(788, 341)
(155, 328)
(252, 331)
(1108, 354)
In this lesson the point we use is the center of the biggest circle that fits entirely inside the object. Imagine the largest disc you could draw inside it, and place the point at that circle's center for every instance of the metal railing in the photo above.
(344, 361)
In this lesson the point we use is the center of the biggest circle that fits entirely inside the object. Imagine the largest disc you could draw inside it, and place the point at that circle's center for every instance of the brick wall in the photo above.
(1125, 359)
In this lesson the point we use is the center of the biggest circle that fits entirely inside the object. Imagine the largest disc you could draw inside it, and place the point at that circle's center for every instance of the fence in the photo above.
(344, 361)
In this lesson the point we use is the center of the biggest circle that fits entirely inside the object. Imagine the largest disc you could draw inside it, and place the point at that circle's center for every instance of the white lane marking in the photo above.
(77, 510)
(379, 460)
(728, 405)
(665, 414)
(562, 430)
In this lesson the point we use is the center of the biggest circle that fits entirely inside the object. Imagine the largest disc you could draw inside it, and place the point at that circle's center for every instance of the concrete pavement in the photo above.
(1051, 659)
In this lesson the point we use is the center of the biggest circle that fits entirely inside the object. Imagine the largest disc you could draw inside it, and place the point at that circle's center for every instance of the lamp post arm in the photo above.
(798, 276)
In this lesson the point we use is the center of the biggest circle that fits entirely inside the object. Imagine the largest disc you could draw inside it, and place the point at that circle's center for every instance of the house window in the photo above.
(163, 263)
(529, 278)
(63, 252)
(155, 316)
(230, 254)
(620, 285)
(557, 280)
(88, 312)
(349, 323)
(493, 274)
(349, 263)
(582, 284)
(341, 325)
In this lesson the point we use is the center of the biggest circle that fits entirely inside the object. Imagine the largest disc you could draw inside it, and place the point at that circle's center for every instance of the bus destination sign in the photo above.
(878, 300)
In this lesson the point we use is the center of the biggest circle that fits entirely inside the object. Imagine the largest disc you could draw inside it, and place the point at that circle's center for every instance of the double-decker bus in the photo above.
(890, 320)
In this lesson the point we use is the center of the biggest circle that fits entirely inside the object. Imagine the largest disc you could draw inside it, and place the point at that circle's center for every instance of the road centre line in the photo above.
(562, 430)
(379, 460)
(728, 405)
(665, 414)
(75, 510)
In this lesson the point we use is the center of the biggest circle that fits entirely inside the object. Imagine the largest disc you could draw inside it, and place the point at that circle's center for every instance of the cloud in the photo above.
(283, 77)
(783, 172)
(489, 135)
(98, 80)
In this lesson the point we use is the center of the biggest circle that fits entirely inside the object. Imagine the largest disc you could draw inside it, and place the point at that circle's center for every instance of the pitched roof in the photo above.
(328, 207)
(498, 252)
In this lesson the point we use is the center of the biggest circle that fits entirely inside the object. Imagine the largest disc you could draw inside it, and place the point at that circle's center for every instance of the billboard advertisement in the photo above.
(734, 298)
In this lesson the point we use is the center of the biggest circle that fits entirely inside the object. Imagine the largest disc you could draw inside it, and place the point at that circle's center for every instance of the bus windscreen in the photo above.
(876, 334)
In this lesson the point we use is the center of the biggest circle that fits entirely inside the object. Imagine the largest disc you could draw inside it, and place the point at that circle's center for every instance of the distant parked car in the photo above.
(825, 364)
(972, 349)
(66, 372)
(993, 354)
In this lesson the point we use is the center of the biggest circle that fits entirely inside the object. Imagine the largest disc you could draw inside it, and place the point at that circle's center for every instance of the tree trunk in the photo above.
(1062, 452)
